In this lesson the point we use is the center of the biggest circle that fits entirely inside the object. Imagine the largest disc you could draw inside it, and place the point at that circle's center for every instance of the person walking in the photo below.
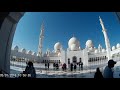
(45, 66)
(48, 65)
(75, 67)
(81, 65)
(71, 66)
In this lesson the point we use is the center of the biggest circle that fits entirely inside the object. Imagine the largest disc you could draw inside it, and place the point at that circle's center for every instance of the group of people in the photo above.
(80, 65)
(73, 66)
(108, 71)
(56, 66)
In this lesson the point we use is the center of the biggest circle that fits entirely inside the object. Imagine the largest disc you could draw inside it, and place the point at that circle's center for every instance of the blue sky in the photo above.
(60, 26)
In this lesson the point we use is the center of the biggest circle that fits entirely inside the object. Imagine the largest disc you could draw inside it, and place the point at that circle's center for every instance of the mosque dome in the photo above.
(103, 50)
(89, 43)
(91, 49)
(113, 48)
(57, 46)
(96, 51)
(118, 45)
(73, 40)
(34, 53)
(29, 52)
(16, 48)
(23, 50)
(74, 47)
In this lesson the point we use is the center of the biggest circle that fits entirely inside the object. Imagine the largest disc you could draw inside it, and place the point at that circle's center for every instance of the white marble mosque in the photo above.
(73, 54)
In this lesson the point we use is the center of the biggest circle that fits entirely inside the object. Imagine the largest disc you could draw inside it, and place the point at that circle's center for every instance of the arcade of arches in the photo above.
(8, 23)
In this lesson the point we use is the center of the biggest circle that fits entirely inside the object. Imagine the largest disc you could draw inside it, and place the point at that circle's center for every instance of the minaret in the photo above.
(107, 43)
(41, 41)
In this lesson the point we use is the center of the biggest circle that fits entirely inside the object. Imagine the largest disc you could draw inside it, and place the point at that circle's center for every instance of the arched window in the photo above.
(99, 58)
(103, 57)
(74, 59)
(93, 59)
(96, 59)
(89, 60)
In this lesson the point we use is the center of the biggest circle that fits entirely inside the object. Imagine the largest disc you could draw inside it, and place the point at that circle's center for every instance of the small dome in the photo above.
(96, 51)
(16, 48)
(73, 40)
(103, 50)
(29, 52)
(91, 49)
(34, 53)
(113, 48)
(89, 44)
(57, 46)
(74, 47)
(23, 50)
(118, 45)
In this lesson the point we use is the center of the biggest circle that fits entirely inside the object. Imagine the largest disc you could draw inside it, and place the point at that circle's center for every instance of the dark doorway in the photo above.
(74, 59)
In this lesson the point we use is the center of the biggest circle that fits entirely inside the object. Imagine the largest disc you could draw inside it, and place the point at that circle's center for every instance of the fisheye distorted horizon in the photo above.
(61, 26)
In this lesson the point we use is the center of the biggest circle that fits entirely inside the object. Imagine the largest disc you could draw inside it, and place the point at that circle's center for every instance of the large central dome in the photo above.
(73, 42)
